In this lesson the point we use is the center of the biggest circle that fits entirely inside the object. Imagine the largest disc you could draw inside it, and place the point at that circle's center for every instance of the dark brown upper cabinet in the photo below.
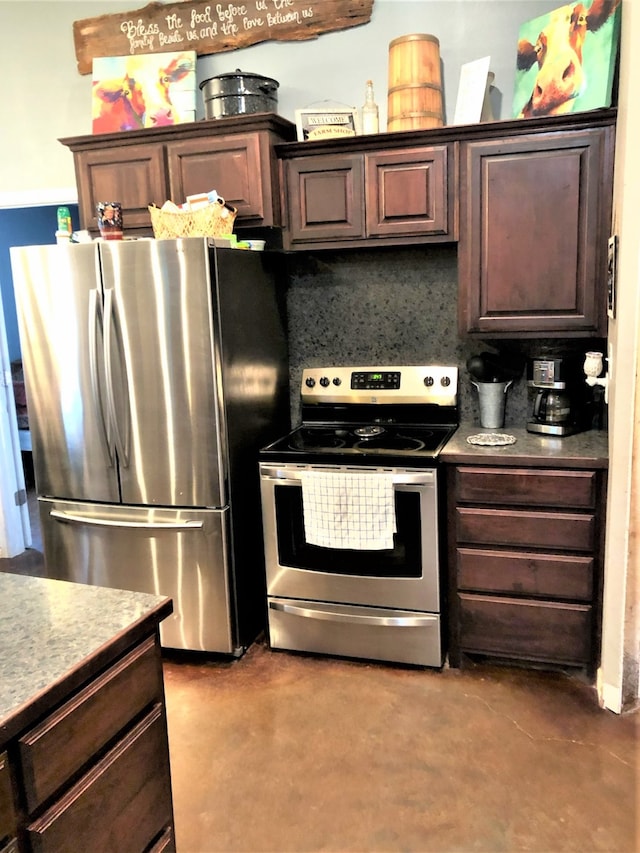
(535, 215)
(336, 197)
(529, 201)
(235, 156)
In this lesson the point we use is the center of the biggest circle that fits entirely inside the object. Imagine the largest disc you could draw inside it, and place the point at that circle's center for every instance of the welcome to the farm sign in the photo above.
(211, 27)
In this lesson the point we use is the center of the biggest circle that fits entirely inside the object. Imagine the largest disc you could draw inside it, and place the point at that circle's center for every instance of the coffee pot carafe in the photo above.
(552, 407)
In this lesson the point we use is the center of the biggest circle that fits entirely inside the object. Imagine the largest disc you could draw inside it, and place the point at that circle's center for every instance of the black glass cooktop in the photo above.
(366, 443)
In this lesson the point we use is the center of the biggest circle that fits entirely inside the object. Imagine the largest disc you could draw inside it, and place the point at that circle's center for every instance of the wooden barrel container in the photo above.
(415, 83)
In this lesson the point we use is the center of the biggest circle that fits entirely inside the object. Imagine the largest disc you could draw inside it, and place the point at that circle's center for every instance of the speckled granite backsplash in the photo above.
(388, 306)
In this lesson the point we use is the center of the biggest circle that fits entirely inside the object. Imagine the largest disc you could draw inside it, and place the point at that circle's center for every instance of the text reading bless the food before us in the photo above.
(219, 19)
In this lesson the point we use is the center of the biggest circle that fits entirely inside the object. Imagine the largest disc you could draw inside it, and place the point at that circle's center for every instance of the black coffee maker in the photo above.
(560, 395)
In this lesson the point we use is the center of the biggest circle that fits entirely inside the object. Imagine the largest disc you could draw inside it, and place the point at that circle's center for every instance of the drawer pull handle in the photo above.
(329, 616)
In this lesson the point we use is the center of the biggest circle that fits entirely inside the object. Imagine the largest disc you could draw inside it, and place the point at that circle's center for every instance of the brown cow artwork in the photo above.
(152, 90)
(566, 59)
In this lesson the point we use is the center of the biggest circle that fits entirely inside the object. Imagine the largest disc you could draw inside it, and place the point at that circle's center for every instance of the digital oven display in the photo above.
(375, 381)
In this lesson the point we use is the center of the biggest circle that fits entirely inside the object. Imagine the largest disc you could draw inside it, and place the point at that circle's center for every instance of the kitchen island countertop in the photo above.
(54, 634)
(583, 450)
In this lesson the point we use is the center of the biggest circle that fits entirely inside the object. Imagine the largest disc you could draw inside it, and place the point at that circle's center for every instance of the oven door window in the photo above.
(293, 550)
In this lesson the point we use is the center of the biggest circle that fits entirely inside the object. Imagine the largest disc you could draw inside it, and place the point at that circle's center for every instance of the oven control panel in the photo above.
(375, 380)
(435, 384)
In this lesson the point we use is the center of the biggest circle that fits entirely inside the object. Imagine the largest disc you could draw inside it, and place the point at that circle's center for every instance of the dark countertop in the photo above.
(583, 450)
(53, 634)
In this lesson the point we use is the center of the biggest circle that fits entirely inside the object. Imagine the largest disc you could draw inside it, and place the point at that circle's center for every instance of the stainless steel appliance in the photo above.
(155, 370)
(560, 398)
(382, 604)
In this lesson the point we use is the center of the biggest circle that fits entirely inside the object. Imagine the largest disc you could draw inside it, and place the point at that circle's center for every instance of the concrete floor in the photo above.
(284, 752)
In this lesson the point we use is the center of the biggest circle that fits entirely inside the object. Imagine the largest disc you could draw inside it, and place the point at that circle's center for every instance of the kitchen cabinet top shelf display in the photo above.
(506, 129)
(170, 133)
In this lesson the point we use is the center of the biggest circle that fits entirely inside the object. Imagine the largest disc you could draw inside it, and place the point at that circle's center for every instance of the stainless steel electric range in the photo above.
(351, 512)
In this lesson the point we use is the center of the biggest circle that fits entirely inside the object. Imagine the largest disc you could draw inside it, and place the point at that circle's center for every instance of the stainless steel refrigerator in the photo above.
(155, 370)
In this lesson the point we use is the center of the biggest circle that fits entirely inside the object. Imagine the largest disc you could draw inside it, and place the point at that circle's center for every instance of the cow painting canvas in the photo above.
(566, 59)
(151, 90)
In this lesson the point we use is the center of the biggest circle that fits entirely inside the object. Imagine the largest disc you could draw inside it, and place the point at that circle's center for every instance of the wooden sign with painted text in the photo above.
(211, 27)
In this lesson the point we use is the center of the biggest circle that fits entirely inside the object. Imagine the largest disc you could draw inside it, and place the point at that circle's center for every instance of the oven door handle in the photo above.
(415, 621)
(287, 477)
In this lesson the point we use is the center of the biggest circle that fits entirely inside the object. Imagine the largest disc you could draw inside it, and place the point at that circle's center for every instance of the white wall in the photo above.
(48, 99)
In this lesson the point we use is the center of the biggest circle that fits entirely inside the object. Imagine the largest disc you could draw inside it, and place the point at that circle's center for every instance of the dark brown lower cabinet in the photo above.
(525, 564)
(93, 774)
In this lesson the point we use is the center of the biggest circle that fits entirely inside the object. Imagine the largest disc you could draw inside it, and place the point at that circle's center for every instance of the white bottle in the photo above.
(370, 120)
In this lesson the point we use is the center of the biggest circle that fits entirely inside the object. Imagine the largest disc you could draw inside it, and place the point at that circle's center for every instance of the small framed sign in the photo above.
(325, 122)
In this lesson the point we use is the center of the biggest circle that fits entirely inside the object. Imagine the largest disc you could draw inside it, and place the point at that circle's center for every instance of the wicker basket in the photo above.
(215, 220)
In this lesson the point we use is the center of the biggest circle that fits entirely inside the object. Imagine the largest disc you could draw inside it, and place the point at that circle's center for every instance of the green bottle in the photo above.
(64, 220)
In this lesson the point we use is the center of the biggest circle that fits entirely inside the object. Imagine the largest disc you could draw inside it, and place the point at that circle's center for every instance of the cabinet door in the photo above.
(326, 198)
(228, 164)
(407, 192)
(534, 221)
(134, 175)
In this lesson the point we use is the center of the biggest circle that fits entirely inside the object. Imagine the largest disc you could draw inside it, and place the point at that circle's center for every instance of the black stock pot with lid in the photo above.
(239, 92)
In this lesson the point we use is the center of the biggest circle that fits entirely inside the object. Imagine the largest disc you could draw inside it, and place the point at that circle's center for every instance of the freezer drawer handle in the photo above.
(389, 621)
(60, 515)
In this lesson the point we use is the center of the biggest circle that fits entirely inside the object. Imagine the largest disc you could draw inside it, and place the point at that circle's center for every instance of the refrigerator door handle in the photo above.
(95, 316)
(61, 515)
(123, 456)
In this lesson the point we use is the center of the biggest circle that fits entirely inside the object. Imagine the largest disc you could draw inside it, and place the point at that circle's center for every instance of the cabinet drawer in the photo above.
(533, 630)
(123, 803)
(563, 531)
(166, 843)
(527, 486)
(546, 575)
(84, 725)
(7, 810)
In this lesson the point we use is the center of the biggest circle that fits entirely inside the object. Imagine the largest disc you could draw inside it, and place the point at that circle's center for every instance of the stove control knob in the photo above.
(428, 381)
(445, 381)
(310, 382)
(324, 381)
(337, 380)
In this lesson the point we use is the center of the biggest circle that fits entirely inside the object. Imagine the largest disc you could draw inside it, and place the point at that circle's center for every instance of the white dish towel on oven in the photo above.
(348, 510)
